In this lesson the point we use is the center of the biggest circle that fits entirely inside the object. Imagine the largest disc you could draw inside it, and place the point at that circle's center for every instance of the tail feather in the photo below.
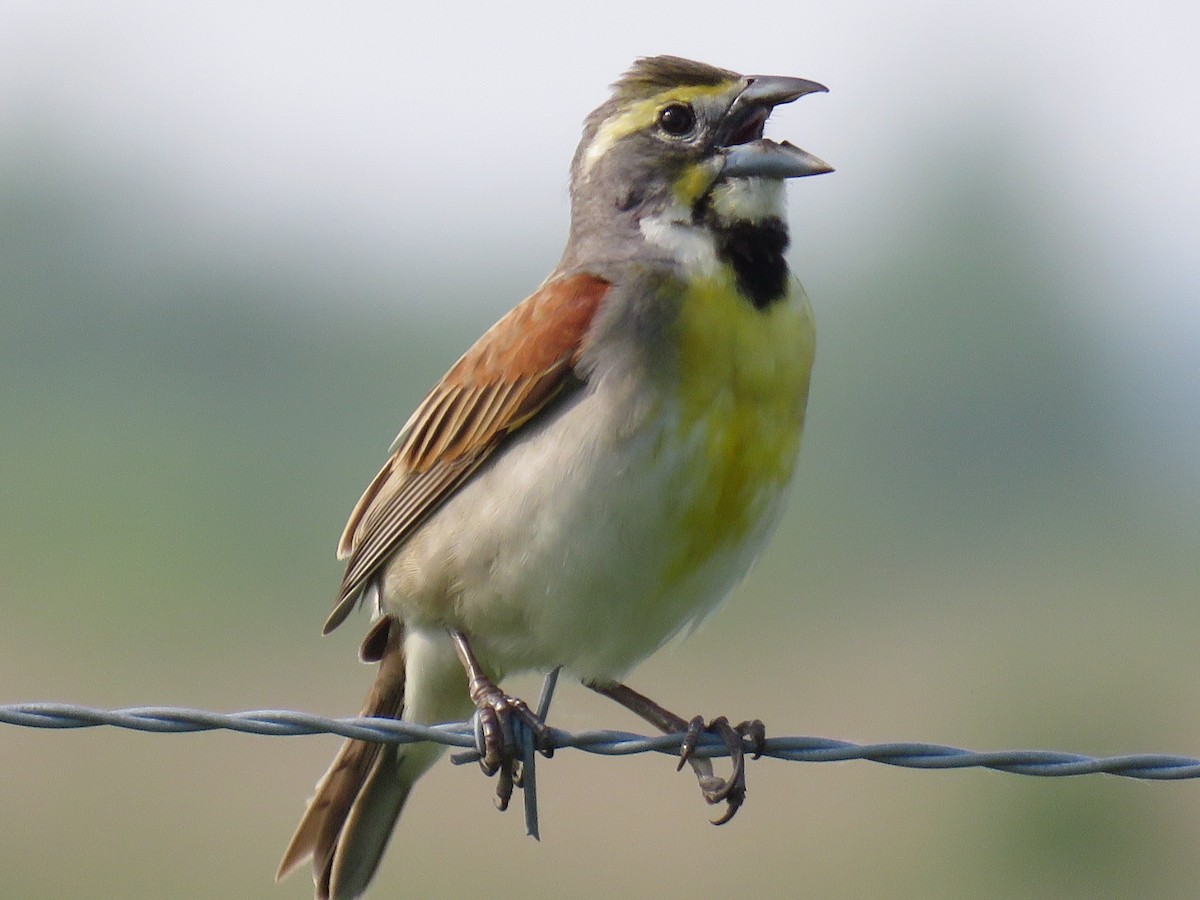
(347, 824)
(366, 831)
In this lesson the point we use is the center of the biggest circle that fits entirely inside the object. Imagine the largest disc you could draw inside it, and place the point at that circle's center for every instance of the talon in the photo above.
(730, 811)
(504, 786)
(736, 783)
(691, 738)
(732, 790)
(493, 741)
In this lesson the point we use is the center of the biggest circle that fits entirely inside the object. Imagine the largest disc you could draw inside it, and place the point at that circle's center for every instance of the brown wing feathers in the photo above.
(498, 385)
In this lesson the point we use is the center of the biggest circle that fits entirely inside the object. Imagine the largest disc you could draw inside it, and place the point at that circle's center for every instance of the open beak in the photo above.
(747, 152)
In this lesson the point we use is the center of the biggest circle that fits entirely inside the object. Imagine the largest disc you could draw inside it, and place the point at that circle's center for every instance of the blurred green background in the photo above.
(238, 244)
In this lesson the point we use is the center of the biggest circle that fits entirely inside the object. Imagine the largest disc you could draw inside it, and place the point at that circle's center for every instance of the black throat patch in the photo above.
(755, 251)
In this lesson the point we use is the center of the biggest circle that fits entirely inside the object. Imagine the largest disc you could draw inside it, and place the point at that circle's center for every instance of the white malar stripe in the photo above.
(691, 245)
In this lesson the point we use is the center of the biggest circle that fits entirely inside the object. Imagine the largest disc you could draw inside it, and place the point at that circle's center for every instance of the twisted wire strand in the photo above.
(171, 719)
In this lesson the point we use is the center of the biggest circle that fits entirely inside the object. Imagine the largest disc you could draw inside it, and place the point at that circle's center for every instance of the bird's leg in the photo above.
(496, 709)
(731, 791)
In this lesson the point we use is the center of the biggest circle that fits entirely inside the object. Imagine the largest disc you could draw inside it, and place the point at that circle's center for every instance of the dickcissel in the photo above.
(602, 466)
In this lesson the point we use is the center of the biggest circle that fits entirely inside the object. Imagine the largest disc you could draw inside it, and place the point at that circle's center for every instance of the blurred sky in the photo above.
(342, 132)
(372, 123)
(239, 240)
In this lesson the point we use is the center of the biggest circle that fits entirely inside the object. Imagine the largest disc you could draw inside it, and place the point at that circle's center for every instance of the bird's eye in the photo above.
(677, 119)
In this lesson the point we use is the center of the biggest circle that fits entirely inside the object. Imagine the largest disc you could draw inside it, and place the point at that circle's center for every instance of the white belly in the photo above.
(566, 548)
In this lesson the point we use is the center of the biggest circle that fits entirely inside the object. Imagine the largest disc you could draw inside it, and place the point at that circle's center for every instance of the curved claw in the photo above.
(732, 790)
(732, 805)
(691, 738)
(736, 783)
(505, 784)
(497, 739)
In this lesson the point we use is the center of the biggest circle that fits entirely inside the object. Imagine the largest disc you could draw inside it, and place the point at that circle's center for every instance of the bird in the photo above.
(596, 473)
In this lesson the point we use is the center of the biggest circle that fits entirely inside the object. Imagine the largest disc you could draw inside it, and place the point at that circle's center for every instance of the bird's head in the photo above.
(683, 140)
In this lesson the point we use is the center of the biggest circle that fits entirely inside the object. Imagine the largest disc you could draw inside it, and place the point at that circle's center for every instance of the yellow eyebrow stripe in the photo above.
(643, 114)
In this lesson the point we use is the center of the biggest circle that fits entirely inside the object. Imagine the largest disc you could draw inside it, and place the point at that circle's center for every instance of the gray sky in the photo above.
(374, 122)
(396, 139)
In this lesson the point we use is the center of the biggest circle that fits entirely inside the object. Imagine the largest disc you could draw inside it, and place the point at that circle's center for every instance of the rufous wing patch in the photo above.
(502, 382)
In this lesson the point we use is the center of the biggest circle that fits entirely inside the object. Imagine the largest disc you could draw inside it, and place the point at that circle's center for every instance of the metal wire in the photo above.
(605, 743)
(469, 735)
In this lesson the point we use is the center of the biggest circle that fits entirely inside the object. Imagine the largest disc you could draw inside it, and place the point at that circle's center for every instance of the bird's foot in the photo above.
(732, 790)
(498, 713)
(499, 716)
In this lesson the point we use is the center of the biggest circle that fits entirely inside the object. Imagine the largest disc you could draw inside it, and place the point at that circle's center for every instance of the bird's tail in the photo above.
(349, 820)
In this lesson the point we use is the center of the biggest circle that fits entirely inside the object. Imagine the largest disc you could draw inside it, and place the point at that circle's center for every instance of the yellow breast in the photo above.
(744, 375)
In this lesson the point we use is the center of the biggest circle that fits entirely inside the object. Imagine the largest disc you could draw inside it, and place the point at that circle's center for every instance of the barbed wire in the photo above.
(467, 736)
(284, 722)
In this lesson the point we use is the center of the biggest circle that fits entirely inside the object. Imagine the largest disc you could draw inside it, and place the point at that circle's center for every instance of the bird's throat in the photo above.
(755, 253)
(746, 219)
